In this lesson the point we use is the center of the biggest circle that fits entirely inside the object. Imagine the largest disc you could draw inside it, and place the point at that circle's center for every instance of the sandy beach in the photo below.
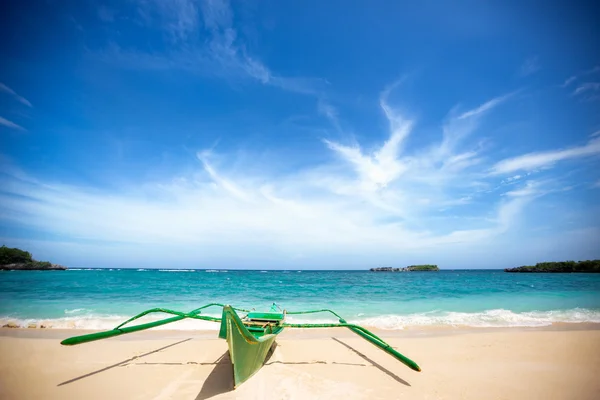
(544, 363)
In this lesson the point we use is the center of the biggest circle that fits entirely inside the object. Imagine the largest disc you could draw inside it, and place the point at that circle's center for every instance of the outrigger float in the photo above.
(249, 337)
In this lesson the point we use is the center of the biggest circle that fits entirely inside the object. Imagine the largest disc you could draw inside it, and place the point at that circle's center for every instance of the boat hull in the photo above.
(247, 350)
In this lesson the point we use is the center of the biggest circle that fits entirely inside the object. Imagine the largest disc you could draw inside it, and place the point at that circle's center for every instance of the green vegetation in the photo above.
(13, 258)
(425, 267)
(560, 266)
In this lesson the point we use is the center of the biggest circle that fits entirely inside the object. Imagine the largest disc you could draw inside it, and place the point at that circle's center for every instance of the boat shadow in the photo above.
(220, 379)
(373, 362)
(122, 363)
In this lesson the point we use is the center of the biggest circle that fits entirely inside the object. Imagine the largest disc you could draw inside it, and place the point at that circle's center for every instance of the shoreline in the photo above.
(303, 334)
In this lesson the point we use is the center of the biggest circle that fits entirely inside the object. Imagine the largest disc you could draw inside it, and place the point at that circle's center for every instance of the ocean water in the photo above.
(102, 298)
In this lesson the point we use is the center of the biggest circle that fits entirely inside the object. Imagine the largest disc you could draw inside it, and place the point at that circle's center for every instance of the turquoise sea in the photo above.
(101, 298)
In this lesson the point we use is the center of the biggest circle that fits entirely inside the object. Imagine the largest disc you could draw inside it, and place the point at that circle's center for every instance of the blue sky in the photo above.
(215, 134)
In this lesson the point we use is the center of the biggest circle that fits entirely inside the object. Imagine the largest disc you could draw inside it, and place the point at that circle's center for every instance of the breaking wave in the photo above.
(487, 319)
(177, 270)
(105, 322)
(499, 318)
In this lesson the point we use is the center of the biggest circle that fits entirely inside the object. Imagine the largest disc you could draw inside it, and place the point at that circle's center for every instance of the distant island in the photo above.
(425, 267)
(12, 259)
(560, 267)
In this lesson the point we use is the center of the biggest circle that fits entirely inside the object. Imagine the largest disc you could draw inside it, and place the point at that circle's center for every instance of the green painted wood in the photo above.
(120, 330)
(247, 351)
(116, 332)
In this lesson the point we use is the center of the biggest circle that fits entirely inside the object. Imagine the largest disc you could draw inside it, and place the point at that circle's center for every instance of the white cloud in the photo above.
(210, 211)
(10, 124)
(383, 199)
(217, 14)
(531, 161)
(217, 49)
(179, 18)
(513, 178)
(20, 99)
(586, 87)
(575, 77)
(486, 106)
(379, 201)
(531, 188)
(330, 112)
(530, 66)
(383, 166)
(568, 81)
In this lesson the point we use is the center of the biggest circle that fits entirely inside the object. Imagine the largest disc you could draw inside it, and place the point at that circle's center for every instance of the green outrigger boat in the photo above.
(249, 337)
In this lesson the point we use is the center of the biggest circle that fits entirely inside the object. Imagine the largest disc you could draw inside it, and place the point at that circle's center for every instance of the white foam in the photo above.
(177, 270)
(486, 319)
(74, 311)
(105, 322)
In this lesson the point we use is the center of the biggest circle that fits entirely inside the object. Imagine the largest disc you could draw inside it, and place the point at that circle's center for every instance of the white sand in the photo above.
(334, 364)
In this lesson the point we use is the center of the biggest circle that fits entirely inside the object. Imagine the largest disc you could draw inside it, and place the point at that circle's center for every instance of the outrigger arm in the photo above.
(195, 314)
(120, 330)
(360, 331)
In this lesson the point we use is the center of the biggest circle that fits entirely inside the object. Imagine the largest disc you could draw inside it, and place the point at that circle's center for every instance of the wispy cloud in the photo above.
(178, 18)
(531, 161)
(586, 87)
(526, 191)
(329, 111)
(10, 124)
(456, 129)
(568, 81)
(20, 99)
(408, 185)
(227, 48)
(204, 41)
(383, 166)
(530, 66)
(486, 106)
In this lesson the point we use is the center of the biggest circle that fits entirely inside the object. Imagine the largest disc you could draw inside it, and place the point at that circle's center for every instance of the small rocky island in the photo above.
(425, 267)
(13, 259)
(560, 267)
